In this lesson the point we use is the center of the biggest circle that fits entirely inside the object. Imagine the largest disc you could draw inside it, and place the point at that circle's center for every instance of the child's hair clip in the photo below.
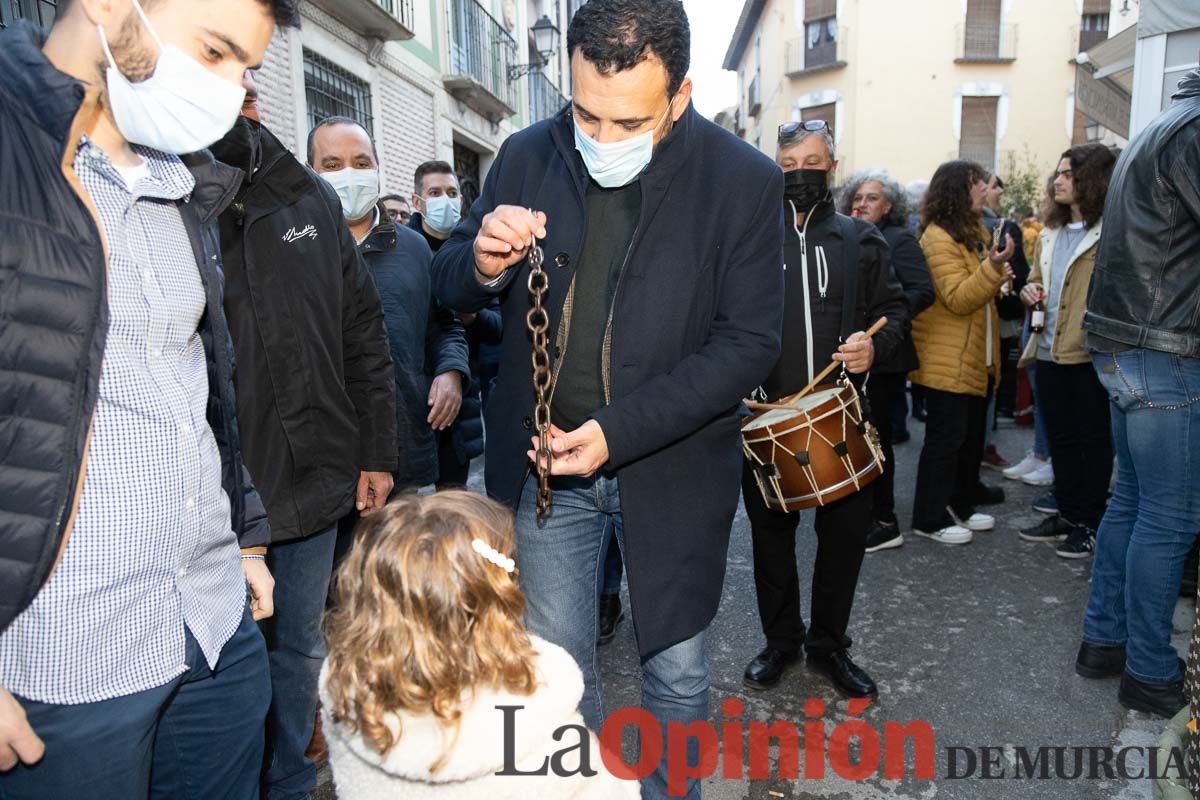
(493, 555)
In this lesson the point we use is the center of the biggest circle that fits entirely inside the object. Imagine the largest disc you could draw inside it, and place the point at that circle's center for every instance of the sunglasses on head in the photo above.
(812, 126)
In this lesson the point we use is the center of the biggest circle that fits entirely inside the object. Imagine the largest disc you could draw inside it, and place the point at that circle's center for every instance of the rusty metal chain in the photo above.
(538, 323)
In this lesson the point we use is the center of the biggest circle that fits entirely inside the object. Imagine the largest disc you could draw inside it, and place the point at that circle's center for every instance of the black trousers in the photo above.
(1074, 407)
(881, 393)
(841, 544)
(948, 470)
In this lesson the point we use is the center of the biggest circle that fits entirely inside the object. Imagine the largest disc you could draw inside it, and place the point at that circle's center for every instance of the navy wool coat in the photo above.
(696, 325)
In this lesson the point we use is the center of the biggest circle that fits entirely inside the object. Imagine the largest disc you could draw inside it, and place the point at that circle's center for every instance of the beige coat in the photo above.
(360, 773)
(956, 334)
(1069, 335)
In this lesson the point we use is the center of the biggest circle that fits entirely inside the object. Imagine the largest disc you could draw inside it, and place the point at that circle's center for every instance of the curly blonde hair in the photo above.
(420, 619)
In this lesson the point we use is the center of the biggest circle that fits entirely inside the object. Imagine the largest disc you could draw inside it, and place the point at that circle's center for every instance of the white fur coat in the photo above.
(360, 773)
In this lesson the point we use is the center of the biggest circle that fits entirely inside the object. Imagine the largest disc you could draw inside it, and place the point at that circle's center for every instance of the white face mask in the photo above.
(358, 189)
(442, 213)
(181, 108)
(613, 164)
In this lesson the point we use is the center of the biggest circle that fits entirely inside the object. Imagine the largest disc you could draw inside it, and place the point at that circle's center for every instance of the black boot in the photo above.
(611, 615)
(1163, 699)
(1100, 661)
(768, 667)
(846, 676)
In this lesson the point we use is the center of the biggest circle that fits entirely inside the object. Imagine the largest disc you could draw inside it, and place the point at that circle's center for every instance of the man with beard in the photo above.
(822, 323)
(128, 647)
(660, 323)
(316, 401)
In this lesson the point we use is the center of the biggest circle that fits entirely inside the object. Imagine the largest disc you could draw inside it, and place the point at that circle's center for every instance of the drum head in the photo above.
(802, 404)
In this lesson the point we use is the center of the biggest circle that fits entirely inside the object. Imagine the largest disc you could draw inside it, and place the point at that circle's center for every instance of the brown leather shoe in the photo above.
(317, 750)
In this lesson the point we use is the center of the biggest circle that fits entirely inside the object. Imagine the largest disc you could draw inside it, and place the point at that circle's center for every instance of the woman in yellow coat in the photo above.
(958, 343)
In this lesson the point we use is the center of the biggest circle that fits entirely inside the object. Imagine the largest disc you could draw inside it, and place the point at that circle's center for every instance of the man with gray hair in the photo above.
(836, 284)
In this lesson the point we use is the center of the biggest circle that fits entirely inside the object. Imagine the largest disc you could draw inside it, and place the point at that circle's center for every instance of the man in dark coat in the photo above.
(437, 207)
(426, 339)
(316, 399)
(837, 285)
(661, 320)
(130, 663)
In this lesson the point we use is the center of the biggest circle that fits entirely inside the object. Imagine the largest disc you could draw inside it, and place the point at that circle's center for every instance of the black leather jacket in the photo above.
(54, 319)
(1145, 290)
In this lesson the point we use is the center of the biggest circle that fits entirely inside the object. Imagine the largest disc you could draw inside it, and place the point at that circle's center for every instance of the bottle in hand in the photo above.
(1037, 317)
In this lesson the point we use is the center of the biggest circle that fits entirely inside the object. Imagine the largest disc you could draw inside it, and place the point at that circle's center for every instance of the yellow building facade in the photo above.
(909, 85)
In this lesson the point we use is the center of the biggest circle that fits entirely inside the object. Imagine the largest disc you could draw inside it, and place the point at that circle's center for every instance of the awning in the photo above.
(1104, 83)
(1167, 16)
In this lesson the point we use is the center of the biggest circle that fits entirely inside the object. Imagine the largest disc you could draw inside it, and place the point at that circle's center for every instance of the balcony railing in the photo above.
(985, 42)
(754, 96)
(379, 19)
(1089, 39)
(39, 12)
(545, 100)
(801, 58)
(480, 54)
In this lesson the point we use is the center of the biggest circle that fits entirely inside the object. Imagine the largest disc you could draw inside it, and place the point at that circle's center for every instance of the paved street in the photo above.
(977, 640)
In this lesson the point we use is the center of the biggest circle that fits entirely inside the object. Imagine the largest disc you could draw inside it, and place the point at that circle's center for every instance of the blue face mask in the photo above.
(613, 164)
(442, 213)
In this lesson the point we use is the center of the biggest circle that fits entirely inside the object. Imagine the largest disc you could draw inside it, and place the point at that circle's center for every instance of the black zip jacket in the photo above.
(426, 340)
(1145, 289)
(812, 316)
(54, 318)
(316, 393)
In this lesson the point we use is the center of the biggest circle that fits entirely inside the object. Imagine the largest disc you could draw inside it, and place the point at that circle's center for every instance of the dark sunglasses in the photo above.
(812, 126)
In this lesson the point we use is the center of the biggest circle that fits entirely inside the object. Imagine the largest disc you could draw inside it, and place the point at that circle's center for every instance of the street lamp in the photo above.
(545, 37)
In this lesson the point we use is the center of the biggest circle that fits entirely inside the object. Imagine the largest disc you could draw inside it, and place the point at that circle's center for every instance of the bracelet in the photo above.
(253, 557)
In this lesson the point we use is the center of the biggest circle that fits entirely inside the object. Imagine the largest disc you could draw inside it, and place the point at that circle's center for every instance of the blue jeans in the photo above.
(199, 736)
(1155, 510)
(561, 561)
(302, 569)
(1041, 441)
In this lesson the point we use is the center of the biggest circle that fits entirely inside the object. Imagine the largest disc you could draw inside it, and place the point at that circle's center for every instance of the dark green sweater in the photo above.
(612, 217)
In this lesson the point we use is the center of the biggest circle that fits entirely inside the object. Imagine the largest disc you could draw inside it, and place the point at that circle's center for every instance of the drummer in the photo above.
(817, 317)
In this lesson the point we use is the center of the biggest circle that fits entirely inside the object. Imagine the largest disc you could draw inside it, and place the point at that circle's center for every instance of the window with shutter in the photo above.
(977, 141)
(982, 31)
(819, 9)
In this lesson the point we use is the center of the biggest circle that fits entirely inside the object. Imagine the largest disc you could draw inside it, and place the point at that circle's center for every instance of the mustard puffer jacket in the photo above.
(954, 335)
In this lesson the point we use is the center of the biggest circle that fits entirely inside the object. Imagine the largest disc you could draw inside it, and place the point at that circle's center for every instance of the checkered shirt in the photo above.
(151, 550)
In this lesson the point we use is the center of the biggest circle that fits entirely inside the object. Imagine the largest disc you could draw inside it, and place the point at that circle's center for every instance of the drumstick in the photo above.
(874, 329)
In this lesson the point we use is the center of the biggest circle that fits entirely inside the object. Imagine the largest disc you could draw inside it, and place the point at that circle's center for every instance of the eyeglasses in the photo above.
(811, 125)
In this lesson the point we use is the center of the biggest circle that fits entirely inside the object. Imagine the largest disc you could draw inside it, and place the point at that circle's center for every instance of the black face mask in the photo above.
(805, 188)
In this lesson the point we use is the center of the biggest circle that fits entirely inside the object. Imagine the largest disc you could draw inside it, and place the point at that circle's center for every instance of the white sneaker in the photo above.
(951, 534)
(1025, 466)
(977, 522)
(1042, 476)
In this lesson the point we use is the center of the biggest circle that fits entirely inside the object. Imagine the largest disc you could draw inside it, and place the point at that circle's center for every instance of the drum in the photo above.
(822, 451)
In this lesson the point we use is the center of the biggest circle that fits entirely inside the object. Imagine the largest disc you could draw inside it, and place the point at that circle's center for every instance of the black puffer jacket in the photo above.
(426, 339)
(54, 319)
(316, 395)
(1145, 290)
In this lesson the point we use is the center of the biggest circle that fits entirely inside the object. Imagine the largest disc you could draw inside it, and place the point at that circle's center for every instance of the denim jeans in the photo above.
(198, 736)
(1155, 510)
(302, 569)
(1041, 440)
(561, 562)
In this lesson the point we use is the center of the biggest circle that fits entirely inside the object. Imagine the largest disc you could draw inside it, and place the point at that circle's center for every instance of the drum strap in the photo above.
(850, 278)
